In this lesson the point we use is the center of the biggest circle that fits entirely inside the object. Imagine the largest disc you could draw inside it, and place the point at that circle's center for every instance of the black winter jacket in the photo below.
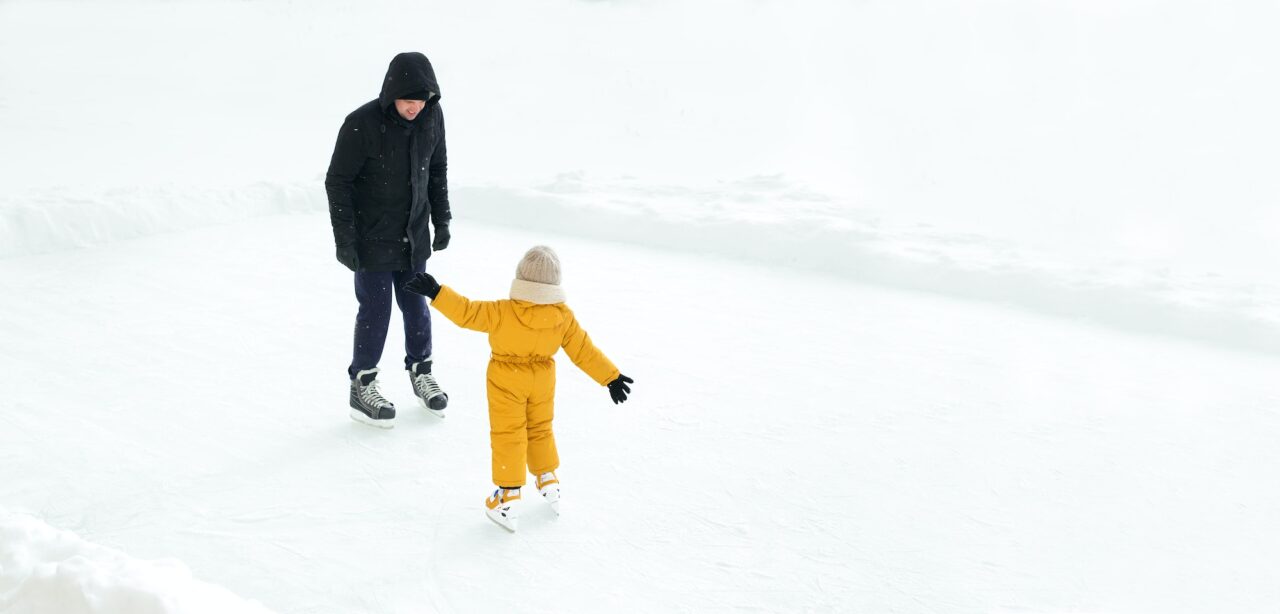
(387, 179)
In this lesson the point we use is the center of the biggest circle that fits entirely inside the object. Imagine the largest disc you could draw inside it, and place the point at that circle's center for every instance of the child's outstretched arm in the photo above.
(577, 344)
(475, 315)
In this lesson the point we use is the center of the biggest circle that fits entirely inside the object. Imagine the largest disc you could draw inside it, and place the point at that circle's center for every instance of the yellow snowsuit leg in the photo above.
(542, 441)
(521, 407)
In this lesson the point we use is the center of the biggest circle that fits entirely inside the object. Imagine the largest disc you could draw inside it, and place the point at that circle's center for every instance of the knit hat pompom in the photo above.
(540, 265)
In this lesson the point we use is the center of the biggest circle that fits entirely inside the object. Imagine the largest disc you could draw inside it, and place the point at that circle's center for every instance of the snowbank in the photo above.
(65, 218)
(766, 220)
(45, 570)
(769, 221)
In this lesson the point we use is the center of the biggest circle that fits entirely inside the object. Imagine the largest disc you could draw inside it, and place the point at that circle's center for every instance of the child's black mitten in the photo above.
(618, 388)
(424, 284)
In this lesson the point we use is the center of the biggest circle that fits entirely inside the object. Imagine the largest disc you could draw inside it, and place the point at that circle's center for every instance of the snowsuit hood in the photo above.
(408, 73)
(539, 317)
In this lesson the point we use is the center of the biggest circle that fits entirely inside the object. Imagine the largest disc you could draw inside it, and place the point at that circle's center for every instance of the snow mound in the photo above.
(770, 221)
(47, 570)
(67, 218)
(767, 220)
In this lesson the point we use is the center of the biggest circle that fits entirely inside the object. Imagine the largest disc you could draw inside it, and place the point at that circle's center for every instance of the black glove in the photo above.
(442, 238)
(618, 388)
(348, 257)
(424, 284)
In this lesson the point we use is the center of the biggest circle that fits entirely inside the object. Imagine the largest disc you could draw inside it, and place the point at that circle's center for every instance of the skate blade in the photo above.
(506, 522)
(360, 417)
(439, 413)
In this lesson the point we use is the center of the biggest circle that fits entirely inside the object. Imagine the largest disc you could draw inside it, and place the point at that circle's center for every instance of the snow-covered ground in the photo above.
(932, 307)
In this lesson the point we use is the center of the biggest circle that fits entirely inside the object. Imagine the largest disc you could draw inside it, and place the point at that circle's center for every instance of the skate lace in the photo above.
(426, 385)
(371, 395)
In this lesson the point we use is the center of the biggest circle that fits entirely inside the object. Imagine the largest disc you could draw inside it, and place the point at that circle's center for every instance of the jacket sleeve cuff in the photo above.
(613, 375)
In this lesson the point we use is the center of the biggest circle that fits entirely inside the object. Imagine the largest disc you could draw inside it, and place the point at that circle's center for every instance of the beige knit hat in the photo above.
(539, 265)
(538, 277)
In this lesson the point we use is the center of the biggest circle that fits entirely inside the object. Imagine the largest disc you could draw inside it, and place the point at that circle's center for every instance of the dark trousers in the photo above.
(374, 291)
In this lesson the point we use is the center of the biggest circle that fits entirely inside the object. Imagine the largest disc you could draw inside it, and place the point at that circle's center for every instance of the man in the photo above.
(387, 188)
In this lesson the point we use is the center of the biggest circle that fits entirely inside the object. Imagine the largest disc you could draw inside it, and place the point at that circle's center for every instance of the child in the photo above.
(524, 333)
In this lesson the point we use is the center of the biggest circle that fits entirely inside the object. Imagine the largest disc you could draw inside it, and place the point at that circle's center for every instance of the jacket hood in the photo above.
(539, 317)
(408, 73)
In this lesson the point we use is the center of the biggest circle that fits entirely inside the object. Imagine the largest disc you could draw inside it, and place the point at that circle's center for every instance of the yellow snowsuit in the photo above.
(522, 375)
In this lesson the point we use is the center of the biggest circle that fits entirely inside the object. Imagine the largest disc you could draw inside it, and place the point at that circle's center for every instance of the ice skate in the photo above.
(368, 406)
(549, 488)
(503, 508)
(427, 389)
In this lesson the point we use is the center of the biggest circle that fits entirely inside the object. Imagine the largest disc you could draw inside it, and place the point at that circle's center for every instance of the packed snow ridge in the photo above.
(765, 220)
(46, 570)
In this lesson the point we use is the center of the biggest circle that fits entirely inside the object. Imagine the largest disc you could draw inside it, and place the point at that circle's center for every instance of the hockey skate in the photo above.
(368, 406)
(427, 389)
